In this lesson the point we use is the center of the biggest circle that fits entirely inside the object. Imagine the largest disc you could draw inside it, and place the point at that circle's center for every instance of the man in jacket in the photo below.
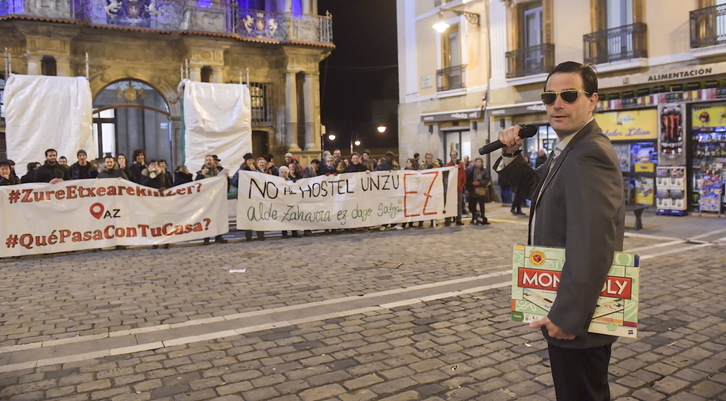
(577, 204)
(82, 169)
(52, 171)
(460, 186)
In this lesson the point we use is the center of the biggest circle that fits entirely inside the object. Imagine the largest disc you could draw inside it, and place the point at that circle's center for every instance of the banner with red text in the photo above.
(266, 202)
(88, 214)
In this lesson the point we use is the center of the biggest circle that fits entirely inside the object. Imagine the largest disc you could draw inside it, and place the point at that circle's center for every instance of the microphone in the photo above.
(525, 131)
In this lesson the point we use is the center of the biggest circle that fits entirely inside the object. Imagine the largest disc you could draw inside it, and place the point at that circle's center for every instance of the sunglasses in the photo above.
(568, 95)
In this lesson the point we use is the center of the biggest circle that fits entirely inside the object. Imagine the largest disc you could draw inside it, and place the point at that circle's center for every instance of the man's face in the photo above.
(288, 159)
(162, 165)
(63, 161)
(51, 157)
(152, 167)
(140, 158)
(336, 153)
(5, 171)
(429, 159)
(108, 163)
(209, 161)
(82, 158)
(478, 163)
(354, 159)
(454, 156)
(262, 164)
(366, 156)
(566, 118)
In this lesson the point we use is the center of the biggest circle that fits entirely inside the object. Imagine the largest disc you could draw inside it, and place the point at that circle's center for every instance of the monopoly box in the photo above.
(536, 275)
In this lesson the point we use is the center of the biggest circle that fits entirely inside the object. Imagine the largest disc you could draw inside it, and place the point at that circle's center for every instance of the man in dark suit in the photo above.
(577, 204)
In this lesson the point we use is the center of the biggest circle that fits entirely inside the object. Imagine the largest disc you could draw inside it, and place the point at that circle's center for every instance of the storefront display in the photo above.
(634, 134)
(708, 146)
(671, 193)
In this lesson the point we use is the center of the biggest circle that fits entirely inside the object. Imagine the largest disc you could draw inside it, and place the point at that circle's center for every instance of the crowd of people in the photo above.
(473, 185)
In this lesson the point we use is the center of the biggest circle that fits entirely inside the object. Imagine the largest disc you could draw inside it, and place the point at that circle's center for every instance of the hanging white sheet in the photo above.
(44, 112)
(218, 121)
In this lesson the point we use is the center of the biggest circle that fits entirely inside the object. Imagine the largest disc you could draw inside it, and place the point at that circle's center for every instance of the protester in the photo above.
(123, 164)
(169, 177)
(285, 174)
(52, 171)
(355, 165)
(63, 161)
(295, 171)
(477, 181)
(139, 164)
(387, 163)
(82, 169)
(249, 164)
(312, 169)
(430, 162)
(6, 174)
(459, 186)
(270, 167)
(30, 174)
(111, 169)
(577, 204)
(367, 161)
(541, 158)
(412, 164)
(329, 167)
(209, 169)
(182, 175)
(152, 176)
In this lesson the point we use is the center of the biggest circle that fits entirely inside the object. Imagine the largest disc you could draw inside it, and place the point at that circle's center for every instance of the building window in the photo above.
(451, 75)
(261, 104)
(206, 74)
(48, 66)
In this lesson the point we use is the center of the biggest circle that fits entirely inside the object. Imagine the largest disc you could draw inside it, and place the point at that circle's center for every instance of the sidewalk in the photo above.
(400, 315)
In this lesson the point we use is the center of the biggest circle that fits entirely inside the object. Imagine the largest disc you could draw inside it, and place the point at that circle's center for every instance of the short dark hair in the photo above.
(81, 151)
(5, 163)
(32, 166)
(588, 75)
(50, 150)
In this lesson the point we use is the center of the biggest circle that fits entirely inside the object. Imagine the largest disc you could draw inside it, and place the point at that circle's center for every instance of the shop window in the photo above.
(48, 66)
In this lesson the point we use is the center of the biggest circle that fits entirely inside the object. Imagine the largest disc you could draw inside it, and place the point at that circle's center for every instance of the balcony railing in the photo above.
(616, 44)
(207, 16)
(708, 26)
(530, 60)
(451, 78)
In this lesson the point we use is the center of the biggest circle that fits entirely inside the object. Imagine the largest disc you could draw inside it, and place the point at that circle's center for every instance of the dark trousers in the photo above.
(517, 203)
(473, 202)
(580, 374)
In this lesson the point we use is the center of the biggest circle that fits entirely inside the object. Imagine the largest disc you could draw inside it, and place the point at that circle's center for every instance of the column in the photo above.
(288, 6)
(306, 7)
(195, 74)
(34, 65)
(309, 99)
(291, 112)
(63, 66)
(217, 75)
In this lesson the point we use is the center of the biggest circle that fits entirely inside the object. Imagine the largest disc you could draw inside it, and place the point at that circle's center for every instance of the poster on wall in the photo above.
(671, 149)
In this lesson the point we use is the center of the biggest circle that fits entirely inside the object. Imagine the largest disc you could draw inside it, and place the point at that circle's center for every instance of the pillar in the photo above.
(310, 106)
(195, 74)
(291, 112)
(306, 7)
(34, 65)
(217, 75)
(63, 66)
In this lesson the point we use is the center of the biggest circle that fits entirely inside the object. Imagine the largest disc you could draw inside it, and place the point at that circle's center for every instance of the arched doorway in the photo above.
(130, 114)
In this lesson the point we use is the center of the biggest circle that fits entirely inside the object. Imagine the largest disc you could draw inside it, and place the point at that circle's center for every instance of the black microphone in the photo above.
(525, 131)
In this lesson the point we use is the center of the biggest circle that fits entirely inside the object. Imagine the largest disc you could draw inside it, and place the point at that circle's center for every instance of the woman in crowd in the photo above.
(139, 165)
(250, 165)
(111, 169)
(182, 175)
(123, 164)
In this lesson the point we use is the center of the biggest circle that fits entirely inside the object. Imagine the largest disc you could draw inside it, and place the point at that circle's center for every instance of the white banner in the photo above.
(88, 214)
(266, 202)
(217, 121)
(48, 112)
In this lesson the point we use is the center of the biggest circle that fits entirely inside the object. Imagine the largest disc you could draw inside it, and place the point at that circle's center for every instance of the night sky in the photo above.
(359, 80)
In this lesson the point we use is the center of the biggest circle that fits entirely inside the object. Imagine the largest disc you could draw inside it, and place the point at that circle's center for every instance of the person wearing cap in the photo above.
(209, 169)
(249, 165)
(82, 169)
(269, 166)
(388, 163)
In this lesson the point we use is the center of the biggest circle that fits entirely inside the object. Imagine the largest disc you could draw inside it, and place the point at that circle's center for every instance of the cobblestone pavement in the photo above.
(384, 315)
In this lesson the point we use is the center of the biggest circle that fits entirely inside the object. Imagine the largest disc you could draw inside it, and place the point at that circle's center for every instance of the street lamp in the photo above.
(356, 143)
(381, 128)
